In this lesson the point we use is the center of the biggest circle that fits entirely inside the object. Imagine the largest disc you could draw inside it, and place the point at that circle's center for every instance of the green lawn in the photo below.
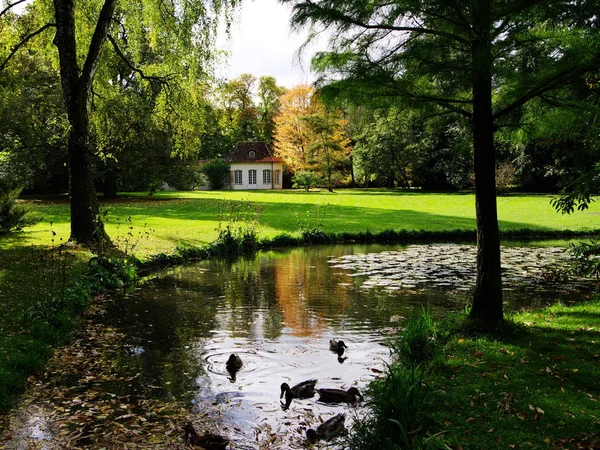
(168, 219)
(534, 383)
(538, 387)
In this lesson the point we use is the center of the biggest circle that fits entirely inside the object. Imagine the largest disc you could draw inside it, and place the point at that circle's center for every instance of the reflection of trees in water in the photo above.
(306, 290)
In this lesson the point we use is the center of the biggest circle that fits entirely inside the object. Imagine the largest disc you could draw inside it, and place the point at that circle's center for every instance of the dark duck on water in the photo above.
(306, 389)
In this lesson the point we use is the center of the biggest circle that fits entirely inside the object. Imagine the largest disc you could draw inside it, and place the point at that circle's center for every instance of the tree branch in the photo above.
(140, 72)
(97, 42)
(8, 7)
(23, 42)
(559, 79)
(341, 17)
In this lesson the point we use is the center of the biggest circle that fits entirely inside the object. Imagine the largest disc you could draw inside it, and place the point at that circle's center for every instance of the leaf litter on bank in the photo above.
(71, 404)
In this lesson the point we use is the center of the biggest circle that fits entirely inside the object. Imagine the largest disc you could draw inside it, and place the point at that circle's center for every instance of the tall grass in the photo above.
(400, 400)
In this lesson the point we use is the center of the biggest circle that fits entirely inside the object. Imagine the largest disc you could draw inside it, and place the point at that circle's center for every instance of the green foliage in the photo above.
(14, 216)
(114, 272)
(305, 179)
(401, 399)
(399, 403)
(405, 148)
(216, 171)
(238, 228)
(417, 342)
(585, 258)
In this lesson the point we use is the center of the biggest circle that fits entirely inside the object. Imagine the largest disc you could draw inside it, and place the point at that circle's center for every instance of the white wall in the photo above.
(259, 167)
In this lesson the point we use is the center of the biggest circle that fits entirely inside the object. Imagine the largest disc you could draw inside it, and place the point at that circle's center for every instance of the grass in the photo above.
(535, 384)
(170, 219)
(30, 267)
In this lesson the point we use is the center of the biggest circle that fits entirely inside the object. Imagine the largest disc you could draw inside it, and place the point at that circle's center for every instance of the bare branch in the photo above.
(23, 42)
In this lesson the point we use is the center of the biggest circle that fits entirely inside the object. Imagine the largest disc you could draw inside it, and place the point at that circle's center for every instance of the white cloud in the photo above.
(262, 43)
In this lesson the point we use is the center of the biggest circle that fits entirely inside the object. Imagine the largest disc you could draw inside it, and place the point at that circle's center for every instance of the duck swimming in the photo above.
(339, 395)
(234, 363)
(208, 441)
(328, 429)
(306, 389)
(337, 346)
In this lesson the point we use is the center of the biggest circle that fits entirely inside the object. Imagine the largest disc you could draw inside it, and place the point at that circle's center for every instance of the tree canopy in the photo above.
(160, 45)
(483, 60)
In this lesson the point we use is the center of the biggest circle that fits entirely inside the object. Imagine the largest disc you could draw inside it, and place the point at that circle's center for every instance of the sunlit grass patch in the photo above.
(169, 219)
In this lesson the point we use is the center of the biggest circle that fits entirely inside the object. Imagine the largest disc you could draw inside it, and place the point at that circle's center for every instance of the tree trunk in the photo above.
(111, 176)
(86, 225)
(487, 302)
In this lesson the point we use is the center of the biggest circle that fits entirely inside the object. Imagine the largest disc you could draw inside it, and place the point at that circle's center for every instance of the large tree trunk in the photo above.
(86, 225)
(487, 302)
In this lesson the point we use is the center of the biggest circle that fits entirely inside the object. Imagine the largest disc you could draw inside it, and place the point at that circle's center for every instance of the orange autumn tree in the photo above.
(303, 141)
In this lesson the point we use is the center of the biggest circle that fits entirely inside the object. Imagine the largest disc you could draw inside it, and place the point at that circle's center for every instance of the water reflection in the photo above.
(278, 311)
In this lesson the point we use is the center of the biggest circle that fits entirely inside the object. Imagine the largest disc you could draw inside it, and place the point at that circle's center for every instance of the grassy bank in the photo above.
(534, 384)
(169, 219)
(33, 269)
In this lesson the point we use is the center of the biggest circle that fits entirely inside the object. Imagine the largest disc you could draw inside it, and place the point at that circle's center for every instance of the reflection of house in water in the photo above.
(302, 294)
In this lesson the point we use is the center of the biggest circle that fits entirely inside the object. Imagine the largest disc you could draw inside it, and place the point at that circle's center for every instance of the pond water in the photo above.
(278, 310)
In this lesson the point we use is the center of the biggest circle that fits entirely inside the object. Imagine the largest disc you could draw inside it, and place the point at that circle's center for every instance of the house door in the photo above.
(252, 179)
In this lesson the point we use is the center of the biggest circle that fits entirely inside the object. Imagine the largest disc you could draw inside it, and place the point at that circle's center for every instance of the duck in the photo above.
(306, 389)
(209, 441)
(234, 363)
(339, 395)
(337, 346)
(328, 429)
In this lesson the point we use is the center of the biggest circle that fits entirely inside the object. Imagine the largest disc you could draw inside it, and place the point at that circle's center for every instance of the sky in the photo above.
(262, 44)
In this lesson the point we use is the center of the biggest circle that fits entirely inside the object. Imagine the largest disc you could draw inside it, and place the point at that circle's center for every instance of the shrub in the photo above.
(12, 215)
(217, 171)
(505, 177)
(305, 179)
(114, 272)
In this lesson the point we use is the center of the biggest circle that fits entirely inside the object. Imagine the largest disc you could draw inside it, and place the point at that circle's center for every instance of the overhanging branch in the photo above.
(8, 7)
(557, 80)
(161, 80)
(23, 42)
(338, 16)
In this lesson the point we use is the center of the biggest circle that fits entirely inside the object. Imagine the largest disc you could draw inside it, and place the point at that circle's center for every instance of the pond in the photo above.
(278, 310)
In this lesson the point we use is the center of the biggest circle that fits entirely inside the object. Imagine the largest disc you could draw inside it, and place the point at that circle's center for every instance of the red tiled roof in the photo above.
(241, 153)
